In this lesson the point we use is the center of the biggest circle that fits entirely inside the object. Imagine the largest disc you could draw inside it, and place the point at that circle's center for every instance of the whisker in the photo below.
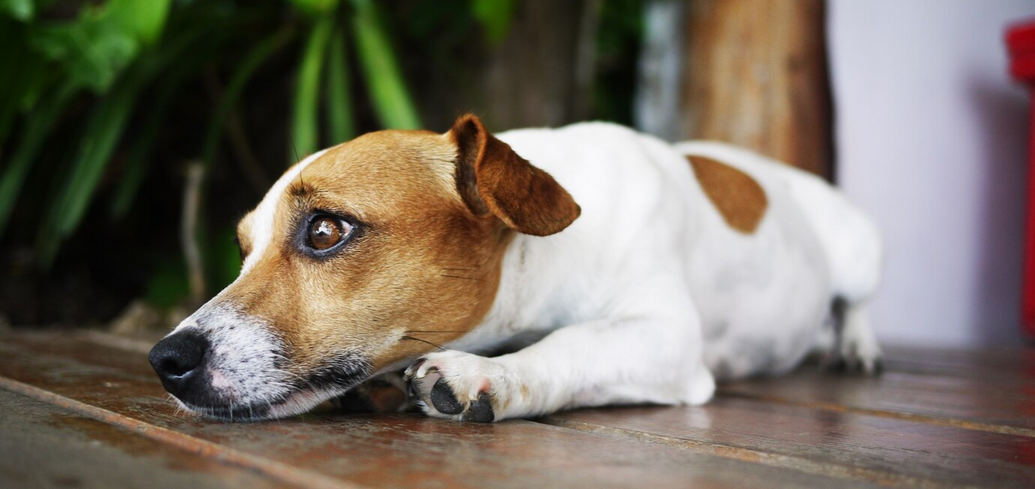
(462, 277)
(429, 331)
(440, 347)
(293, 149)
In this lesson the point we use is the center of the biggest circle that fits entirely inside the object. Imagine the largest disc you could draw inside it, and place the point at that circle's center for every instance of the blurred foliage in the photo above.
(618, 43)
(109, 100)
(495, 16)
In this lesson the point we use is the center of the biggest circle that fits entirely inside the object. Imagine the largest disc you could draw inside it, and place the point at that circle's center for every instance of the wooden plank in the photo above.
(387, 451)
(881, 450)
(1000, 366)
(44, 446)
(978, 403)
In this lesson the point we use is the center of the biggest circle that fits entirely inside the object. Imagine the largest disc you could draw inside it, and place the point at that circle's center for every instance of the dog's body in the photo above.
(688, 262)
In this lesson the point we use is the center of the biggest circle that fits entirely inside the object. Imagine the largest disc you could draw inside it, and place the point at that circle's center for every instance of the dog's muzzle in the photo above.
(225, 365)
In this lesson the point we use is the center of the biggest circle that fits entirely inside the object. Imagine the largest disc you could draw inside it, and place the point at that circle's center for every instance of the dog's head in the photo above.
(354, 256)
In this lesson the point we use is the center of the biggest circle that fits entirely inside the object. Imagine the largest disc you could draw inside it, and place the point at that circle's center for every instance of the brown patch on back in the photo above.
(741, 201)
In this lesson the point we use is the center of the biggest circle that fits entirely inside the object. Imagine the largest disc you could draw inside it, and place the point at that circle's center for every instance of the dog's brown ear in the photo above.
(491, 177)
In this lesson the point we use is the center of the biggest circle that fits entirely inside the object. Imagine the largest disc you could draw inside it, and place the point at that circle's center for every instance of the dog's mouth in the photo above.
(230, 394)
(296, 402)
(249, 412)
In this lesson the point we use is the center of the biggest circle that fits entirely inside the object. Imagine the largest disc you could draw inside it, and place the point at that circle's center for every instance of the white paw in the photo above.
(702, 387)
(858, 352)
(458, 385)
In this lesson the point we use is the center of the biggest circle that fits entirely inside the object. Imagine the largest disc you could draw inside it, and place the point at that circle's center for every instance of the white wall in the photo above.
(931, 140)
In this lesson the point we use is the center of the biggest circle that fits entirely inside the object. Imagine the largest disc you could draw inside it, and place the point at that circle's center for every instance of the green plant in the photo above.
(83, 81)
(105, 103)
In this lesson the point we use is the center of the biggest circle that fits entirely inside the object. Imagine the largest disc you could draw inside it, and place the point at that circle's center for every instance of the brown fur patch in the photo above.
(741, 201)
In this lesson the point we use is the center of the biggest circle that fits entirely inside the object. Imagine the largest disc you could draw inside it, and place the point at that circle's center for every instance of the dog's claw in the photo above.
(411, 371)
(444, 400)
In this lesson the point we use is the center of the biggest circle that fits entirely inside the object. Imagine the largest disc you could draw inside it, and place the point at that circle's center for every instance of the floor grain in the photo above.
(935, 419)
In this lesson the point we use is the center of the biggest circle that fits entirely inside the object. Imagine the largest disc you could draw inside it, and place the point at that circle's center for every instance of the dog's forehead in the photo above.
(259, 223)
(390, 157)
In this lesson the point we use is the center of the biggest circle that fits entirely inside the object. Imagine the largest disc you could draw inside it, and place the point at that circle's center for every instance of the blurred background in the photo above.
(135, 133)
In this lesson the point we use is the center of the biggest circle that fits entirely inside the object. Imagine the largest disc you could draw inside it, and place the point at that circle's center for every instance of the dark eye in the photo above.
(326, 232)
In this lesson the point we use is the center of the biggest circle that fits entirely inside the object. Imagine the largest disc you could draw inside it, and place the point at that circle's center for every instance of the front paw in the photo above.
(457, 385)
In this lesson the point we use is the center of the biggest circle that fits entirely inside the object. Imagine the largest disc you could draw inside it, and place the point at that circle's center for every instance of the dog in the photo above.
(519, 274)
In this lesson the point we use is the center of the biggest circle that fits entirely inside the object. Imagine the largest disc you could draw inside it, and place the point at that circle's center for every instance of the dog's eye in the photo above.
(325, 232)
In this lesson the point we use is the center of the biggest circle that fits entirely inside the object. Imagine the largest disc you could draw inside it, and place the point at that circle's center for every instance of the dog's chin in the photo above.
(296, 403)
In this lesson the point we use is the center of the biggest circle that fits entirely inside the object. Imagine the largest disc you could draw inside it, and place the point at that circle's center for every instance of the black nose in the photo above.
(176, 360)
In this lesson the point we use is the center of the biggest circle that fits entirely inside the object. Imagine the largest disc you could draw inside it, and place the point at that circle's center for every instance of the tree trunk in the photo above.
(539, 75)
(756, 75)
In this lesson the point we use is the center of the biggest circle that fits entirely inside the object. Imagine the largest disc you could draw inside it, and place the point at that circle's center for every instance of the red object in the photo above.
(1020, 40)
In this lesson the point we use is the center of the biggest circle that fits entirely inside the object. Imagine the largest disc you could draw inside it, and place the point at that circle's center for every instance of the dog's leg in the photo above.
(589, 364)
(855, 346)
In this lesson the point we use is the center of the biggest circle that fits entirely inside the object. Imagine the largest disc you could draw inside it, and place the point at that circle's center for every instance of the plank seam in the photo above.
(838, 471)
(917, 418)
(273, 469)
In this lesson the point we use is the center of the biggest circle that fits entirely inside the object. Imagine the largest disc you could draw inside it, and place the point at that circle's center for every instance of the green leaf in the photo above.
(139, 161)
(495, 17)
(137, 164)
(340, 127)
(22, 10)
(91, 54)
(251, 62)
(168, 284)
(23, 73)
(142, 19)
(315, 7)
(96, 47)
(304, 122)
(391, 100)
(103, 130)
(101, 134)
(35, 133)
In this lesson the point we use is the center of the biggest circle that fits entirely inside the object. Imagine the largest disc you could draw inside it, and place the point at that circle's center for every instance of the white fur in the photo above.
(262, 219)
(649, 293)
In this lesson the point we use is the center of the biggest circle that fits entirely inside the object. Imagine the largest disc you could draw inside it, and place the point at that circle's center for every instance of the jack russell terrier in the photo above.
(614, 267)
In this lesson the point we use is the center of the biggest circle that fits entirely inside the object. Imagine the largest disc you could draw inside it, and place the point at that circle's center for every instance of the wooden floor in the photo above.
(85, 410)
